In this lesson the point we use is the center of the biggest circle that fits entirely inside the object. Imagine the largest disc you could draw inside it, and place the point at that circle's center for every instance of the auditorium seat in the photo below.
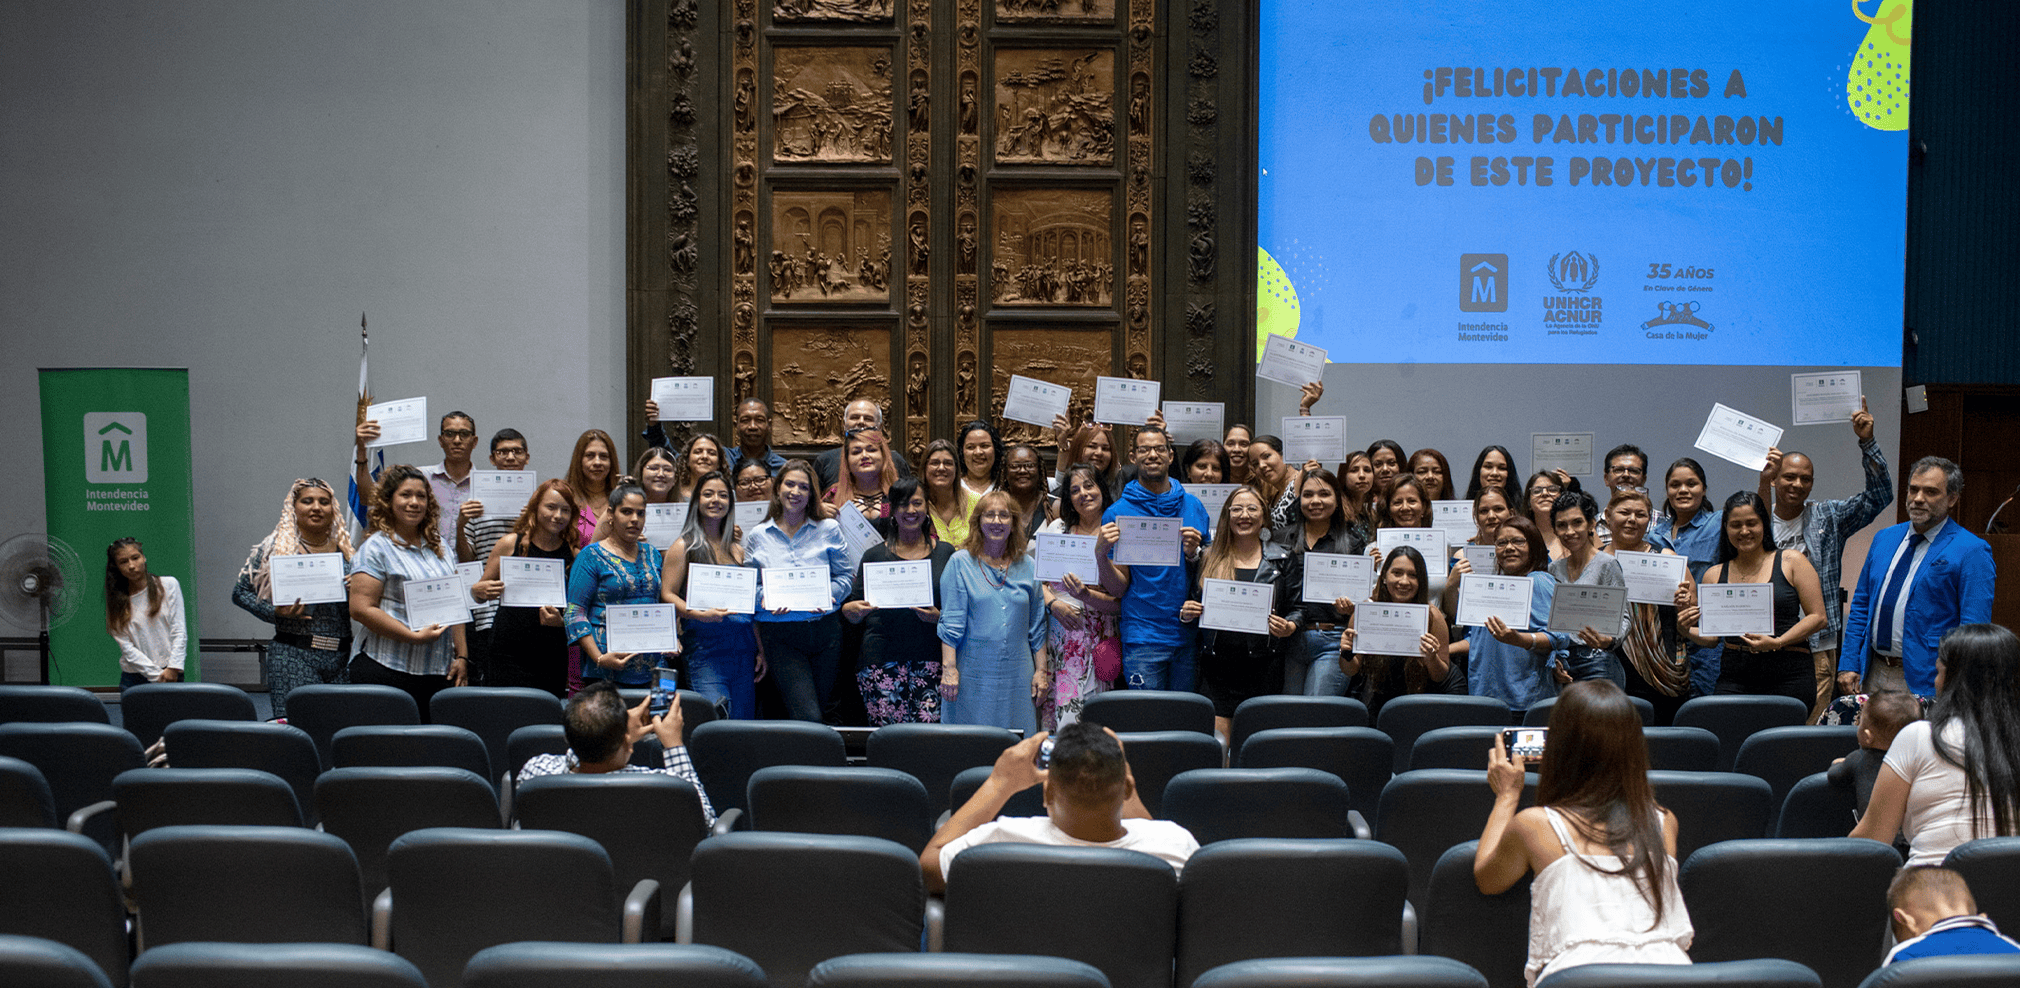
(936, 753)
(727, 752)
(79, 760)
(1025, 802)
(1766, 972)
(278, 748)
(1538, 714)
(1114, 909)
(1343, 972)
(245, 885)
(1817, 807)
(32, 962)
(1156, 757)
(1489, 933)
(1736, 718)
(1264, 713)
(1991, 866)
(30, 703)
(1454, 747)
(1217, 804)
(1784, 755)
(323, 709)
(1361, 756)
(165, 797)
(823, 799)
(607, 808)
(1146, 711)
(25, 800)
(1404, 718)
(1713, 806)
(147, 710)
(396, 745)
(1245, 899)
(967, 970)
(790, 901)
(371, 807)
(1821, 903)
(1424, 813)
(493, 713)
(542, 964)
(60, 886)
(1961, 971)
(1681, 749)
(295, 965)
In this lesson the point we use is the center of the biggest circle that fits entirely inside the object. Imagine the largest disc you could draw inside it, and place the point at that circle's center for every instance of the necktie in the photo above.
(1882, 636)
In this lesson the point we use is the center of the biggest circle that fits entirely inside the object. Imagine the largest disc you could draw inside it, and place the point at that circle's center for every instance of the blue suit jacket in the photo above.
(1953, 587)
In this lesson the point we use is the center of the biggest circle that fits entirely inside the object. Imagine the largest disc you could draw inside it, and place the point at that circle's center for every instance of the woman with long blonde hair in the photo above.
(311, 642)
(1233, 665)
(867, 474)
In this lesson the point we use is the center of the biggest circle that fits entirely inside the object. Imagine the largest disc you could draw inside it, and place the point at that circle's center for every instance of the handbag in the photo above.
(1108, 660)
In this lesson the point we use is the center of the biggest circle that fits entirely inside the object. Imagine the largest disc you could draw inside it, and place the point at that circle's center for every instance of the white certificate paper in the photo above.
(1428, 541)
(533, 582)
(1236, 605)
(1570, 452)
(1034, 401)
(403, 421)
(472, 574)
(684, 399)
(1191, 421)
(1455, 519)
(1731, 434)
(317, 578)
(798, 588)
(857, 532)
(1735, 609)
(1818, 399)
(904, 583)
(1058, 555)
(1124, 400)
(1286, 361)
(1481, 597)
(729, 588)
(663, 523)
(1481, 558)
(1574, 607)
(1149, 541)
(634, 628)
(443, 600)
(1314, 437)
(1330, 576)
(1652, 576)
(1212, 497)
(1390, 629)
(504, 492)
(751, 514)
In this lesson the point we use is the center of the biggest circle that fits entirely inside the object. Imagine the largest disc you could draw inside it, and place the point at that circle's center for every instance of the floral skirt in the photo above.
(901, 692)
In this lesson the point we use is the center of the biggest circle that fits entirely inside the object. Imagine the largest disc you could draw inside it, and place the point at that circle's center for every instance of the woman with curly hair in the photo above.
(311, 642)
(405, 543)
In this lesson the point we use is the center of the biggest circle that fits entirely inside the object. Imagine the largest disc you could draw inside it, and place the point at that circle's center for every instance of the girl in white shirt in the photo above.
(143, 613)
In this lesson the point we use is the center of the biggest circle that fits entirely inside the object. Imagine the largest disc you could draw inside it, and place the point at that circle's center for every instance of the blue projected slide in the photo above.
(1585, 182)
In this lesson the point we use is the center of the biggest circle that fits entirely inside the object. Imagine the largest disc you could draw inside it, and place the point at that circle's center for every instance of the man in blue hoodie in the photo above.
(1157, 649)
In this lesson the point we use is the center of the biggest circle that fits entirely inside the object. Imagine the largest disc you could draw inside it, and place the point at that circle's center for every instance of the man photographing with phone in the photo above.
(1090, 801)
(601, 732)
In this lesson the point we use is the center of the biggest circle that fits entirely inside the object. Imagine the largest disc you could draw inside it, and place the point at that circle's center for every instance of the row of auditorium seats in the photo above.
(790, 901)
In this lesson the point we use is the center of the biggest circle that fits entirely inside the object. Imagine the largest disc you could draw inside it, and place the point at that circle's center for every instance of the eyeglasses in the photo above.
(1626, 468)
(1144, 450)
(458, 434)
(1546, 490)
(511, 451)
(1511, 543)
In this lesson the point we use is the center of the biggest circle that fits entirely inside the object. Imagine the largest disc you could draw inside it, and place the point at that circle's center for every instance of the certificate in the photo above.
(1817, 399)
(504, 492)
(1058, 555)
(905, 583)
(1037, 402)
(533, 582)
(857, 532)
(442, 600)
(1236, 605)
(317, 578)
(1455, 519)
(1211, 497)
(633, 628)
(684, 399)
(1731, 434)
(1428, 541)
(1735, 609)
(1124, 400)
(728, 588)
(1570, 452)
(1286, 361)
(1481, 558)
(1149, 541)
(1191, 421)
(1330, 576)
(403, 421)
(1390, 629)
(1652, 576)
(472, 574)
(798, 588)
(1315, 437)
(663, 523)
(751, 514)
(1481, 597)
(1574, 608)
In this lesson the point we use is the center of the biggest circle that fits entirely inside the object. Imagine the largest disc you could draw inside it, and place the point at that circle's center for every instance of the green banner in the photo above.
(115, 463)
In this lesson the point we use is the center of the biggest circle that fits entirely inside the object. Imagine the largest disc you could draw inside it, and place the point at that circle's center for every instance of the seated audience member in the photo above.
(600, 733)
(1090, 801)
(1880, 720)
(1935, 915)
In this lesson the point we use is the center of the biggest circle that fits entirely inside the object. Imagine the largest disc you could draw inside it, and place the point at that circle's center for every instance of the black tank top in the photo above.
(1788, 603)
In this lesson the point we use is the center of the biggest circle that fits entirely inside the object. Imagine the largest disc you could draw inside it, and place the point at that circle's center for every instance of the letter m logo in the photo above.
(1483, 282)
(115, 448)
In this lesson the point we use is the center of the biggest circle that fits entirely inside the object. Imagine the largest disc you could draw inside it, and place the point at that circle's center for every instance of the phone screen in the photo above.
(665, 684)
(1524, 741)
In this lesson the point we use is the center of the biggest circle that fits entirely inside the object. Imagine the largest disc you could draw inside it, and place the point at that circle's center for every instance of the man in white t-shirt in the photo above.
(1090, 801)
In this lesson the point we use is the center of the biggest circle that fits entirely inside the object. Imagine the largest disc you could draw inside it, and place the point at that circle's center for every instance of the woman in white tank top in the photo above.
(1603, 851)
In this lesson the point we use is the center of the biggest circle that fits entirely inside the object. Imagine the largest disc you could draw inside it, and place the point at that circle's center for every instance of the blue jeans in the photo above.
(128, 680)
(1586, 662)
(803, 657)
(720, 667)
(1160, 667)
(1312, 665)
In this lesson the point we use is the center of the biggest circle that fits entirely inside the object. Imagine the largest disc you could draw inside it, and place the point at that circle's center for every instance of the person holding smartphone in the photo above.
(601, 732)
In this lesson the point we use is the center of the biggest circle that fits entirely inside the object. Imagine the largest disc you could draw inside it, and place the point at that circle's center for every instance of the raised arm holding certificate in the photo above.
(1570, 452)
(634, 628)
(1735, 609)
(1035, 402)
(1149, 541)
(1652, 576)
(1058, 555)
(1235, 605)
(1330, 576)
(1390, 629)
(1191, 421)
(533, 582)
(1575, 607)
(684, 399)
(1124, 400)
(443, 600)
(1286, 361)
(727, 588)
(504, 493)
(905, 583)
(798, 588)
(317, 578)
(1731, 434)
(1315, 437)
(1482, 597)
(403, 421)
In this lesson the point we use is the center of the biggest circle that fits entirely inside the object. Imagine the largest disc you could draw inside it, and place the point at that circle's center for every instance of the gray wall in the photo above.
(224, 185)
(1459, 408)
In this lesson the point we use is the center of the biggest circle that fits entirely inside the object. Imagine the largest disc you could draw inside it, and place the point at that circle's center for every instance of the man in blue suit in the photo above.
(1920, 580)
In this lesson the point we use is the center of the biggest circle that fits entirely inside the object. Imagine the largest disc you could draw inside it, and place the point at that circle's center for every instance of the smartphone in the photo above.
(1524, 741)
(665, 684)
(1044, 758)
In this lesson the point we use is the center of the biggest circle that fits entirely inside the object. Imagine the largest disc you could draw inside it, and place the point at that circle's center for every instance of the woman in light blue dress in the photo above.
(993, 663)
